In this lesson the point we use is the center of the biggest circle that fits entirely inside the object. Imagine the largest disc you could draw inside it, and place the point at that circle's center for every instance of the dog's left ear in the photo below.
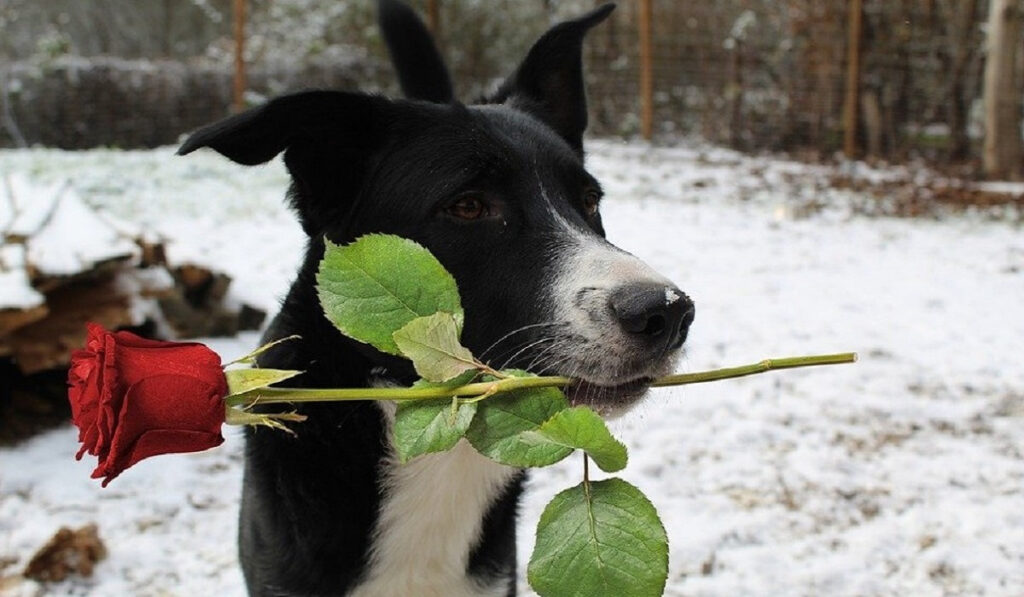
(328, 138)
(549, 82)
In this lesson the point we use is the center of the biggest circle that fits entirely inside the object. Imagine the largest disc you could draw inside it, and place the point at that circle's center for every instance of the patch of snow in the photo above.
(72, 238)
(16, 290)
(142, 285)
(25, 205)
(1001, 186)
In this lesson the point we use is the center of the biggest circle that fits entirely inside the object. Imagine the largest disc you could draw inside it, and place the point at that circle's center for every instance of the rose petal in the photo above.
(96, 334)
(175, 406)
(160, 441)
(138, 357)
(110, 396)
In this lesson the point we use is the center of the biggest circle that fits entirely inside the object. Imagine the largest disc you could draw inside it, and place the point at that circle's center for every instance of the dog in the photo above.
(498, 192)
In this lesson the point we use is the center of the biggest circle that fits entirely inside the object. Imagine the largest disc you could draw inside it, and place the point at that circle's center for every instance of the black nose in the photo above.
(657, 313)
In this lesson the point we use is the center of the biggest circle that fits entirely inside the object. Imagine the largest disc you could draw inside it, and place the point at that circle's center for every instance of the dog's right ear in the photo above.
(417, 61)
(326, 136)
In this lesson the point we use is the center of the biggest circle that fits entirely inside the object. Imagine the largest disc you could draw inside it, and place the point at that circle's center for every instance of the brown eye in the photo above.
(467, 208)
(591, 199)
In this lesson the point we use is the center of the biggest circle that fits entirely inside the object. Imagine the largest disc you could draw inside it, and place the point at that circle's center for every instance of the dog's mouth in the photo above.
(607, 399)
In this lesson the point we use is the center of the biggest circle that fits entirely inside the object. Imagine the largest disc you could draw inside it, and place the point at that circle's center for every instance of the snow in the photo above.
(900, 475)
(62, 235)
(16, 291)
(1001, 186)
(51, 251)
(24, 206)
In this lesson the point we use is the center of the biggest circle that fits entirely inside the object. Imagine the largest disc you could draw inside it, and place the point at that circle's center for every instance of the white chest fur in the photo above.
(430, 519)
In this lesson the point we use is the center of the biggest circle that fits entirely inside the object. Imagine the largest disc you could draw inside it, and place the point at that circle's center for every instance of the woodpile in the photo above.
(62, 264)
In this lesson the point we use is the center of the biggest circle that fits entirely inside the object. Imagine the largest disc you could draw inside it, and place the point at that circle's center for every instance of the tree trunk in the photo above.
(646, 70)
(872, 114)
(434, 19)
(1002, 151)
(963, 17)
(850, 108)
(239, 84)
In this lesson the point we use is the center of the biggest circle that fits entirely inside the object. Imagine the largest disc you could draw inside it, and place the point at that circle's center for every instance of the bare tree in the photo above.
(958, 19)
(1001, 156)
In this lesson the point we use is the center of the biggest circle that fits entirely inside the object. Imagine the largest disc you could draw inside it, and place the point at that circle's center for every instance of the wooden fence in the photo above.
(891, 79)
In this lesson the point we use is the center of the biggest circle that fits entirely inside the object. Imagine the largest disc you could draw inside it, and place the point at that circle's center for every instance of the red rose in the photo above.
(133, 398)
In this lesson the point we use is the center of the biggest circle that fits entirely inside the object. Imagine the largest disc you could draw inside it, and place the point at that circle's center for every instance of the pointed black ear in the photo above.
(326, 136)
(549, 82)
(420, 67)
(257, 135)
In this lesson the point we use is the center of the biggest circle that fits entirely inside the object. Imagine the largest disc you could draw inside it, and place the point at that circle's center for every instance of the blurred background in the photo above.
(883, 79)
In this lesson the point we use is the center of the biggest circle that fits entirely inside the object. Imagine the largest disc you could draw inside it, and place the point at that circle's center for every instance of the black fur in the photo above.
(418, 63)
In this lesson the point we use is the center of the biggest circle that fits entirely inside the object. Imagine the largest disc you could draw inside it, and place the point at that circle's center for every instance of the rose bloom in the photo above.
(133, 398)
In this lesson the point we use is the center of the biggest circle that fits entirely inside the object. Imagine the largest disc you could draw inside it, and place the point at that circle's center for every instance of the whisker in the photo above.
(525, 348)
(515, 349)
(524, 328)
(550, 360)
(541, 356)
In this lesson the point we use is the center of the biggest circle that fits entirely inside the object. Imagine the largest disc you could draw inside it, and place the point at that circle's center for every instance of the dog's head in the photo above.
(499, 194)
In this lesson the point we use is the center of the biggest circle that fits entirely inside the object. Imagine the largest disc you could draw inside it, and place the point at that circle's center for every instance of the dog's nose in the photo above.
(655, 312)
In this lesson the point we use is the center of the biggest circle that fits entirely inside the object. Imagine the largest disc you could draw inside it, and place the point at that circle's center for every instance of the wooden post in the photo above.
(1001, 154)
(434, 17)
(239, 83)
(851, 103)
(646, 71)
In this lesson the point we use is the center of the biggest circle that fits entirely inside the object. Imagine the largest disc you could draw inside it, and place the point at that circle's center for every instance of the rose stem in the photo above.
(296, 395)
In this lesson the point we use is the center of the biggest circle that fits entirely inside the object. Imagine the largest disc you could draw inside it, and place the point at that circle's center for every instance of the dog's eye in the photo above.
(469, 207)
(591, 200)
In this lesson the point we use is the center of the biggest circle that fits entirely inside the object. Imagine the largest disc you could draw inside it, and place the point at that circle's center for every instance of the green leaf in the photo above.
(247, 380)
(432, 344)
(371, 288)
(500, 430)
(424, 426)
(581, 428)
(599, 539)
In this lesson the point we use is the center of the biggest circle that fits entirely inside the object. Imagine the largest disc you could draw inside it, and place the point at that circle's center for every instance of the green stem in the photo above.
(755, 368)
(297, 395)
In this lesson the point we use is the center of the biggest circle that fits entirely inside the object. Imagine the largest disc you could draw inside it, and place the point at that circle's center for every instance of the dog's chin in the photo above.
(609, 401)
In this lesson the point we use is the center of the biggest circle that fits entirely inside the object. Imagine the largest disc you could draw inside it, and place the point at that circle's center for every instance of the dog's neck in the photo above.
(431, 514)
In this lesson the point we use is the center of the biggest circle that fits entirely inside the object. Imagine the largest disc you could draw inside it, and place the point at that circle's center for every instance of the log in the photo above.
(47, 343)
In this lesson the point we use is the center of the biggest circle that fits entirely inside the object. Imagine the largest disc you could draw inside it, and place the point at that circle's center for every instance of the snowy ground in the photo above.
(901, 475)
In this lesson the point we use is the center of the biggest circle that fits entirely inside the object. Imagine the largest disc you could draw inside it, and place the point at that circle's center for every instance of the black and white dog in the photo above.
(499, 193)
